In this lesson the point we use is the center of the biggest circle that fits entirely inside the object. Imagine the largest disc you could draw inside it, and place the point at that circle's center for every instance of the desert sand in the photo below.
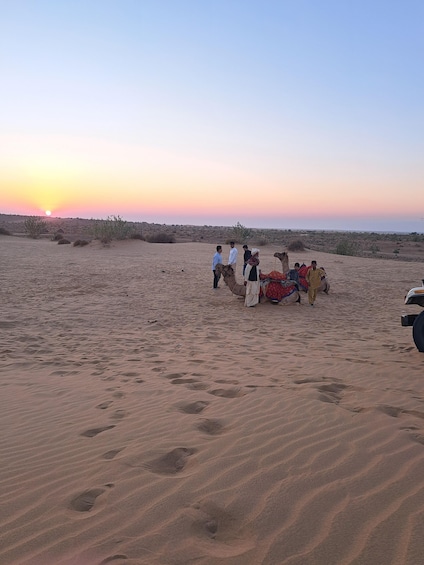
(147, 419)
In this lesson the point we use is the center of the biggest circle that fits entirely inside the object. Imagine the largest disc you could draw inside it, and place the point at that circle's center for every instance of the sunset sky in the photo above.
(301, 114)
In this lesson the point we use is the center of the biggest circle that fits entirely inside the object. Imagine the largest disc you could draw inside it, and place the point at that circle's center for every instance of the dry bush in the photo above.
(296, 245)
(261, 241)
(63, 241)
(347, 247)
(4, 231)
(80, 243)
(57, 237)
(34, 226)
(137, 236)
(114, 227)
(161, 237)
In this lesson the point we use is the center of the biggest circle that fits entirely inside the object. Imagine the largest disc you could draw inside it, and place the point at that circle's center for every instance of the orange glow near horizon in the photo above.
(98, 178)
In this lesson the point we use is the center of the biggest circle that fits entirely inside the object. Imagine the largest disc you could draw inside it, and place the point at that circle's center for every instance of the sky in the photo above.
(305, 114)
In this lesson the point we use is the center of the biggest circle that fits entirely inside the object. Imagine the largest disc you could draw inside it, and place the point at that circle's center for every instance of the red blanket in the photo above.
(276, 286)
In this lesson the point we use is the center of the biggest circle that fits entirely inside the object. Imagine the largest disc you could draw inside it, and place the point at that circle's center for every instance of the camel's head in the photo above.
(280, 256)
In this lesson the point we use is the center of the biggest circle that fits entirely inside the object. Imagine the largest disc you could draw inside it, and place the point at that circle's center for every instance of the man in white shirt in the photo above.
(232, 258)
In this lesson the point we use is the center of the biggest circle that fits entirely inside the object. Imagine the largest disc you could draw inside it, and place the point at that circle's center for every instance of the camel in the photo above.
(284, 258)
(272, 288)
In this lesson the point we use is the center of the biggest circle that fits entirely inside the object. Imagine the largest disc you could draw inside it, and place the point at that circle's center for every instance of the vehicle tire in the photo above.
(418, 332)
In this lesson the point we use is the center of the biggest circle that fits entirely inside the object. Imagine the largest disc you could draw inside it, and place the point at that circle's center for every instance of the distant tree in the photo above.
(241, 233)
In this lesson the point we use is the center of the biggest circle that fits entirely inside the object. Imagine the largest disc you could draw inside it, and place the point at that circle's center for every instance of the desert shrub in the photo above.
(296, 245)
(34, 226)
(261, 240)
(114, 227)
(137, 236)
(347, 247)
(241, 234)
(63, 241)
(57, 237)
(374, 248)
(161, 237)
(80, 243)
(4, 231)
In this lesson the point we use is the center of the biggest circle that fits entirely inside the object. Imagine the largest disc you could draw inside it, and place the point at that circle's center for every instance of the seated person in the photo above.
(293, 274)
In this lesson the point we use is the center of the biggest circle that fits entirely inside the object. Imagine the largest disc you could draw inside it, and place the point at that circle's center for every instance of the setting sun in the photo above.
(48, 213)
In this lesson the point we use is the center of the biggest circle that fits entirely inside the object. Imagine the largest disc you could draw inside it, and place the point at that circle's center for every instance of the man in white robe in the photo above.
(251, 279)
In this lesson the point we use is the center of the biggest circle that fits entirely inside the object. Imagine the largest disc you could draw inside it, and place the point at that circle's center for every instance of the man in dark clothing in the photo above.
(246, 256)
(294, 274)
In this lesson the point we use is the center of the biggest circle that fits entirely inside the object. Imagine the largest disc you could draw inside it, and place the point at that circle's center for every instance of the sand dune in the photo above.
(148, 419)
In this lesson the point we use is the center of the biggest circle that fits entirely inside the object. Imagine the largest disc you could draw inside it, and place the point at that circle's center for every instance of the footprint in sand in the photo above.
(173, 376)
(84, 502)
(227, 392)
(112, 453)
(94, 431)
(309, 380)
(104, 405)
(331, 392)
(230, 536)
(171, 463)
(227, 382)
(392, 411)
(113, 558)
(118, 415)
(198, 386)
(194, 407)
(183, 381)
(212, 427)
(395, 411)
(418, 438)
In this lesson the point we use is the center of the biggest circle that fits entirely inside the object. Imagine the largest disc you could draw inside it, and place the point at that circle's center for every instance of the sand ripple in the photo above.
(171, 427)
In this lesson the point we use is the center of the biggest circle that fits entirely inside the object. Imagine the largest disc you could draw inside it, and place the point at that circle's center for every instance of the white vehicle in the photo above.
(415, 296)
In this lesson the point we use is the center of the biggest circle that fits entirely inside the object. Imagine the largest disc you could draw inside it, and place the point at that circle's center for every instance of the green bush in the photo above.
(34, 226)
(114, 227)
(347, 247)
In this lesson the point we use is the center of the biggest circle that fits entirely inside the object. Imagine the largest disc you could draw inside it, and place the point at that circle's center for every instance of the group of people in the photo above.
(250, 270)
(314, 276)
(251, 273)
